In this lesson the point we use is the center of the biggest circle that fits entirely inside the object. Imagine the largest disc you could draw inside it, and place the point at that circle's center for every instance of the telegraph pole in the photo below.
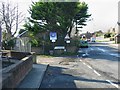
(119, 17)
(118, 33)
(0, 37)
(0, 57)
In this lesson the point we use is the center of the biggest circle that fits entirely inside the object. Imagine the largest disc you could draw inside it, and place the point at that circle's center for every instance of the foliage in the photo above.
(8, 44)
(11, 18)
(109, 34)
(56, 16)
(98, 33)
(112, 38)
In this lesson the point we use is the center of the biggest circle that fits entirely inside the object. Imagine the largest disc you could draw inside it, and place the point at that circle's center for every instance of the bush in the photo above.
(8, 44)
(107, 35)
(112, 39)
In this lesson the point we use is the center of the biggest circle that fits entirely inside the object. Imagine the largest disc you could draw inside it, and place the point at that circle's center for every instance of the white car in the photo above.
(93, 39)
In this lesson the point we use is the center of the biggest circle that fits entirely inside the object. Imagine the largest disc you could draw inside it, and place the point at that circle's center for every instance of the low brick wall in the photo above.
(15, 73)
(72, 49)
(19, 55)
(37, 50)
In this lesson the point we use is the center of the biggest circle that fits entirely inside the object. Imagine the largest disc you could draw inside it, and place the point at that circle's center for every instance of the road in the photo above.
(94, 67)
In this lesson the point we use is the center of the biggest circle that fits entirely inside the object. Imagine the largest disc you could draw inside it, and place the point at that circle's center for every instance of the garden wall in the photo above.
(14, 74)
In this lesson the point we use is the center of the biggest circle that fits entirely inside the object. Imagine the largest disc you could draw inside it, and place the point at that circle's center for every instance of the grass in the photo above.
(104, 40)
(58, 55)
(46, 56)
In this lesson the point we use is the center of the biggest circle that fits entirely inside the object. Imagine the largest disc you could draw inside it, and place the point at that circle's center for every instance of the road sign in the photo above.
(53, 40)
(67, 37)
(53, 36)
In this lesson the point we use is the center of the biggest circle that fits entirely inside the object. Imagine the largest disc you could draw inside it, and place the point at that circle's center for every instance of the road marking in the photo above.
(89, 67)
(91, 49)
(112, 54)
(84, 63)
(80, 60)
(101, 49)
(96, 72)
(115, 85)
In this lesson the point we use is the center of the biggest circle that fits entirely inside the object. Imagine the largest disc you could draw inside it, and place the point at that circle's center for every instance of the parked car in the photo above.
(83, 44)
(93, 39)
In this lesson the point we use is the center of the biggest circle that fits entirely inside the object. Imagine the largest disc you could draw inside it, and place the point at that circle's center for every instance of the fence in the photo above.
(23, 44)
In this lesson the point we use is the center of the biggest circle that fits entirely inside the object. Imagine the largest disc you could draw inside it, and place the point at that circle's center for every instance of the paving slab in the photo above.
(34, 77)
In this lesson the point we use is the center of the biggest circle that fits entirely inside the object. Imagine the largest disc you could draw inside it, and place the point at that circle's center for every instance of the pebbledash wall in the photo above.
(14, 74)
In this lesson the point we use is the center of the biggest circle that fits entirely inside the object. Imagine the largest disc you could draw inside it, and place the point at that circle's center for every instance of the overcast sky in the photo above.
(104, 13)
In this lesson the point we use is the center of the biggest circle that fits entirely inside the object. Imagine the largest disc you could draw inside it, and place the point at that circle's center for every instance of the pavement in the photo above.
(113, 45)
(116, 46)
(34, 77)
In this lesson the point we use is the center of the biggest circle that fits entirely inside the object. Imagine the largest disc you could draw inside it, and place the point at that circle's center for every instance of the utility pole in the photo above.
(119, 17)
(117, 39)
(0, 57)
(0, 37)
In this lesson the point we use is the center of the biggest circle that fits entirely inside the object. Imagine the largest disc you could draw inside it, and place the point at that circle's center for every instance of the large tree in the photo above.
(11, 18)
(57, 16)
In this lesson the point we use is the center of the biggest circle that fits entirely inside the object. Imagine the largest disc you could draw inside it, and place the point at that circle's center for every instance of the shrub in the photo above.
(112, 39)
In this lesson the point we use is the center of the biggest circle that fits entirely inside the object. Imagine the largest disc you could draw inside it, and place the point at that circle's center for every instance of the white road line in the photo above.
(80, 60)
(115, 85)
(89, 67)
(101, 49)
(84, 63)
(116, 55)
(112, 54)
(91, 49)
(96, 72)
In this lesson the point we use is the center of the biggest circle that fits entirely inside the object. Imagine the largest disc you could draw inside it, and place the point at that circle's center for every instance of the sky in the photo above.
(104, 13)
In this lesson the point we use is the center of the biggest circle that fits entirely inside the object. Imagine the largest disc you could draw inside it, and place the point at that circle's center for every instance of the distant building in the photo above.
(87, 34)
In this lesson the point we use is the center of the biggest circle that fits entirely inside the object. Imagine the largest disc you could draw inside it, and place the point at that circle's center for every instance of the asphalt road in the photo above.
(94, 67)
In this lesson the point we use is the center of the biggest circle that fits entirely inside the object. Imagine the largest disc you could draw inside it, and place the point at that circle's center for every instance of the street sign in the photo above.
(53, 40)
(67, 37)
(68, 41)
(53, 36)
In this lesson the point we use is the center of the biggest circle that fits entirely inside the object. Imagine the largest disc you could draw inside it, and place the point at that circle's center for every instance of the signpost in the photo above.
(0, 57)
(67, 40)
(53, 37)
(119, 17)
(117, 37)
(0, 38)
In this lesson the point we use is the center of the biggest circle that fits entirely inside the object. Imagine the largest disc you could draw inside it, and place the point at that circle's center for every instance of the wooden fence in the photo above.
(23, 44)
